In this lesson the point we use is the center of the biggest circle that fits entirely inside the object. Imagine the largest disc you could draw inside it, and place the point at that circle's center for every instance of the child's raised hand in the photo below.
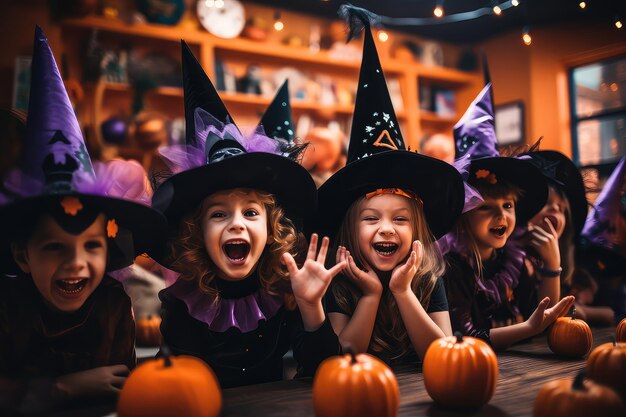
(403, 274)
(105, 381)
(309, 283)
(367, 281)
(543, 317)
(545, 240)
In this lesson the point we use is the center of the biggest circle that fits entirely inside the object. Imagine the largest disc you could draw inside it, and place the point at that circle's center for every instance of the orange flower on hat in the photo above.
(112, 228)
(71, 205)
(487, 175)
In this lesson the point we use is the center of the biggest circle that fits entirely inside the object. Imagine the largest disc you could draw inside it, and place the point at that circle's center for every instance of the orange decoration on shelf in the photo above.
(71, 205)
(460, 371)
(148, 331)
(171, 386)
(570, 337)
(620, 331)
(112, 228)
(582, 398)
(607, 366)
(355, 386)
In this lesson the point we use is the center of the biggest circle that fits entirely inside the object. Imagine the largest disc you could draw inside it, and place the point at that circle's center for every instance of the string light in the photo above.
(438, 12)
(497, 10)
(219, 3)
(515, 3)
(383, 36)
(618, 22)
(582, 4)
(526, 38)
(278, 24)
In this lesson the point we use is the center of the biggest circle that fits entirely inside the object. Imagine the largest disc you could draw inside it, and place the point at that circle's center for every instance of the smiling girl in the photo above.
(241, 301)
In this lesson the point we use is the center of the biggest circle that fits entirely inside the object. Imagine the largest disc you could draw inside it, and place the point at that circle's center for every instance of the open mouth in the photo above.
(498, 231)
(236, 250)
(385, 248)
(71, 286)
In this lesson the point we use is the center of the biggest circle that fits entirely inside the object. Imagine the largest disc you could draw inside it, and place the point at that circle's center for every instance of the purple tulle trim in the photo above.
(499, 286)
(222, 314)
(473, 198)
(184, 157)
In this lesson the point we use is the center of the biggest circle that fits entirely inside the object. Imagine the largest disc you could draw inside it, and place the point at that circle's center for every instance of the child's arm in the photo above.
(421, 328)
(593, 314)
(546, 242)
(123, 343)
(542, 317)
(356, 330)
(309, 284)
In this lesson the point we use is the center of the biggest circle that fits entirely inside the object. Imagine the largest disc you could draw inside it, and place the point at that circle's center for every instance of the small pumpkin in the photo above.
(584, 398)
(570, 337)
(171, 386)
(620, 331)
(148, 331)
(460, 372)
(607, 366)
(355, 386)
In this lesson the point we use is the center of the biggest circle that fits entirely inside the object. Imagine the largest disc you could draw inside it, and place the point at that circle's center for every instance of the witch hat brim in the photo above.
(435, 182)
(566, 176)
(520, 173)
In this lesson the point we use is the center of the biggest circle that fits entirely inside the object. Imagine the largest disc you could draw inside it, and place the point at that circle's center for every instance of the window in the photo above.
(598, 111)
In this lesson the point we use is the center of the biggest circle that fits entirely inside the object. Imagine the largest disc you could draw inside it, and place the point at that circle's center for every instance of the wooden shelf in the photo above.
(432, 117)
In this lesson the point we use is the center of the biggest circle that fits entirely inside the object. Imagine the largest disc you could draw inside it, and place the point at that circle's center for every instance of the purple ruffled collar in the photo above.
(499, 286)
(243, 313)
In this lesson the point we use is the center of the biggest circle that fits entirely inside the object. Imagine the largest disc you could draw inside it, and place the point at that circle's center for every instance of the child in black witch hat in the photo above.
(232, 209)
(386, 207)
(484, 265)
(66, 327)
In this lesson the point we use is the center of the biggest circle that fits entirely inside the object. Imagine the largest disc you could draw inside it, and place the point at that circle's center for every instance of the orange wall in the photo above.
(537, 75)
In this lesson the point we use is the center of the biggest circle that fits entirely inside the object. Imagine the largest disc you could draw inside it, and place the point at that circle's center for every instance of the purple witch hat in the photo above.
(56, 174)
(377, 155)
(479, 161)
(601, 237)
(218, 156)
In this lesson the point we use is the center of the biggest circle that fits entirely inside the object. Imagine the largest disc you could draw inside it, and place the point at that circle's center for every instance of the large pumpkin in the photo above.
(620, 331)
(148, 331)
(570, 337)
(607, 366)
(460, 372)
(171, 386)
(584, 398)
(355, 386)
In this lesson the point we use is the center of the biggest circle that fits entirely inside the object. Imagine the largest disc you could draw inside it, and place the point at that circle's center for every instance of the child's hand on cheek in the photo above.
(403, 274)
(367, 281)
(545, 240)
(309, 283)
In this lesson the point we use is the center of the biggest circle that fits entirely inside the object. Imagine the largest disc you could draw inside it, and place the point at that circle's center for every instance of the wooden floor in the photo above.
(523, 369)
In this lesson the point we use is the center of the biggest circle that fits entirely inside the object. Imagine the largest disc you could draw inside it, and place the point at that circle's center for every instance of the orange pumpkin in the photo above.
(355, 386)
(620, 331)
(583, 398)
(148, 331)
(171, 386)
(570, 337)
(607, 366)
(460, 372)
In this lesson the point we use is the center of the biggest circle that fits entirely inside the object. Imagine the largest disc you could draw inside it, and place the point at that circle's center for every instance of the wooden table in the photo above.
(523, 369)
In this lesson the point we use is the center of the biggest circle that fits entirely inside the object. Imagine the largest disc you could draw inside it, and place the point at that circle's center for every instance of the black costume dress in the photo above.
(244, 357)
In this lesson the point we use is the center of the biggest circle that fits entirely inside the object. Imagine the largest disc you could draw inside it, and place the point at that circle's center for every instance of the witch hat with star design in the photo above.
(56, 176)
(218, 156)
(378, 159)
(603, 238)
(479, 161)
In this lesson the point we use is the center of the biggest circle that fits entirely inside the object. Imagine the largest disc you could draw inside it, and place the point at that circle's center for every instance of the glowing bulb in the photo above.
(515, 3)
(526, 38)
(438, 12)
(582, 4)
(278, 25)
(219, 3)
(497, 10)
(209, 3)
(614, 87)
(618, 24)
(383, 36)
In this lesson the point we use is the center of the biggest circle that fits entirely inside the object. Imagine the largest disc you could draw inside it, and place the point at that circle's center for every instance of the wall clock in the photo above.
(223, 18)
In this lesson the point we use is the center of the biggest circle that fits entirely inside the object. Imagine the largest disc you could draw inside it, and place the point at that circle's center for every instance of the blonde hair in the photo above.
(190, 258)
(389, 334)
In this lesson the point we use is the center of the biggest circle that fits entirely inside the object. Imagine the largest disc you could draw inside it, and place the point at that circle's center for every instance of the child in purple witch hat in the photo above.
(484, 266)
(66, 327)
(234, 204)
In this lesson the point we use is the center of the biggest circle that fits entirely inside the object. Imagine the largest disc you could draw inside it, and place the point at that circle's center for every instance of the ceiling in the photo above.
(529, 12)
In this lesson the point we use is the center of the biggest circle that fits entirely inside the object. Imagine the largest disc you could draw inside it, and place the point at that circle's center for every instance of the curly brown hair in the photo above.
(189, 257)
(389, 334)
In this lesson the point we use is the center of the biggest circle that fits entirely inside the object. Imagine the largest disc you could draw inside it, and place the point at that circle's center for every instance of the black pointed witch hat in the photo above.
(377, 158)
